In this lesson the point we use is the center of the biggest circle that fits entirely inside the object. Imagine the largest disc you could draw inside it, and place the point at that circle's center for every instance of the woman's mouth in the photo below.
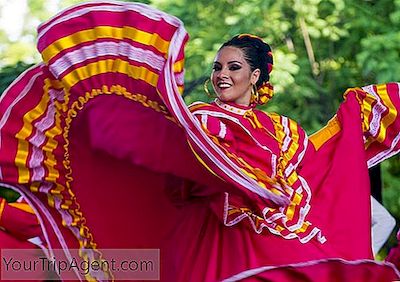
(223, 85)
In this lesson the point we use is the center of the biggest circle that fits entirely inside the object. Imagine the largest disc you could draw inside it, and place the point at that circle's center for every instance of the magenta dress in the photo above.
(99, 141)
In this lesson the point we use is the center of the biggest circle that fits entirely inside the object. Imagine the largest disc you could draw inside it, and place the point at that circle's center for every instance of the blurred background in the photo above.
(320, 48)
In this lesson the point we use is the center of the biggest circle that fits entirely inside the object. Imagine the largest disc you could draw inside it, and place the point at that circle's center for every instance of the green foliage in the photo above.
(9, 73)
(8, 194)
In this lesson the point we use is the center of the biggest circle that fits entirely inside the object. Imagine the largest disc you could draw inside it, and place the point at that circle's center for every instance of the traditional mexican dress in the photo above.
(99, 141)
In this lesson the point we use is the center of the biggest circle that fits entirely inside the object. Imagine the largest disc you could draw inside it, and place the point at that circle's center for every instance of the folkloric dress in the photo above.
(100, 143)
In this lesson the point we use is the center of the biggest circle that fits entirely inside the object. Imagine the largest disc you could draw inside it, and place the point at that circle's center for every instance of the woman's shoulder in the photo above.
(269, 115)
(278, 119)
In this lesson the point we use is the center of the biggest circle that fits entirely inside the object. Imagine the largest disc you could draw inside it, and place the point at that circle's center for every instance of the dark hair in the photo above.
(257, 53)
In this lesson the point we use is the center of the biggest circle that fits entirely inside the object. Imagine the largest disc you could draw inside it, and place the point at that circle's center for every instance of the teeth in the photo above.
(223, 85)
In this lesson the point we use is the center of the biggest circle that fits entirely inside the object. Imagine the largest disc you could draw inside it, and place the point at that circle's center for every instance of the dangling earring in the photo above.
(206, 88)
(255, 96)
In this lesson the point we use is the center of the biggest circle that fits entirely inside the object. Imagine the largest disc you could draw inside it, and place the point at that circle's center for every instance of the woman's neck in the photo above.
(233, 107)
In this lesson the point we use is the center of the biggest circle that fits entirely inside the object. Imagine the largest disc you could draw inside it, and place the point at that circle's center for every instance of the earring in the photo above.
(206, 88)
(255, 96)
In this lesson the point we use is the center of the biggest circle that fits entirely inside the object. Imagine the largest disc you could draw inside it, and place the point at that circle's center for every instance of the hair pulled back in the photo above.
(258, 55)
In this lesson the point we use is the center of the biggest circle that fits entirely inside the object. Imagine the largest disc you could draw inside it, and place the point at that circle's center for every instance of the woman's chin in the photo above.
(223, 98)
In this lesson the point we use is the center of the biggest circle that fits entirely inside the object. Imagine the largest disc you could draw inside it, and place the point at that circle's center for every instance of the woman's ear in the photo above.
(255, 75)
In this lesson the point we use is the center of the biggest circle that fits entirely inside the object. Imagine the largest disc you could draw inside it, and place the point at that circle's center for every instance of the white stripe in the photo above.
(255, 271)
(37, 140)
(271, 220)
(204, 119)
(180, 78)
(386, 153)
(35, 161)
(286, 129)
(222, 131)
(274, 160)
(98, 49)
(145, 10)
(235, 120)
(377, 111)
(20, 96)
(291, 167)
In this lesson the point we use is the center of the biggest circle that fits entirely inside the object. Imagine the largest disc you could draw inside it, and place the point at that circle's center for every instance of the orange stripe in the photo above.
(319, 138)
(2, 205)
(23, 207)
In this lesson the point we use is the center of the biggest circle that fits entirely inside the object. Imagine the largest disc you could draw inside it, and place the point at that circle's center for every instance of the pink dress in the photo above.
(100, 143)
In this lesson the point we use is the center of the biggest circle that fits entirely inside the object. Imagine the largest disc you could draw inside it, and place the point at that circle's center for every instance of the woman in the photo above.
(99, 141)
(313, 173)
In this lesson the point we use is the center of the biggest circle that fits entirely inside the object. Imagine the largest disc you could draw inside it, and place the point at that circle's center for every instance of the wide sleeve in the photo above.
(217, 129)
(380, 106)
(372, 112)
(147, 138)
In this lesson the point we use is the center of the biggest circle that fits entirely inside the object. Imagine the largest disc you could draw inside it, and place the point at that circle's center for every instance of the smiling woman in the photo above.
(241, 70)
(232, 77)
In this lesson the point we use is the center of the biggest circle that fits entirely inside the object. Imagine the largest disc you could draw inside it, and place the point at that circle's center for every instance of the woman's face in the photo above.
(231, 77)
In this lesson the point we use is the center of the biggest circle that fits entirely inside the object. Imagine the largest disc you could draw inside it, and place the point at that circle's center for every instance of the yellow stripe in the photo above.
(290, 211)
(51, 143)
(104, 66)
(110, 65)
(293, 205)
(292, 178)
(26, 130)
(23, 207)
(151, 39)
(178, 66)
(303, 227)
(323, 135)
(279, 132)
(195, 107)
(367, 111)
(289, 154)
(181, 89)
(35, 186)
(2, 205)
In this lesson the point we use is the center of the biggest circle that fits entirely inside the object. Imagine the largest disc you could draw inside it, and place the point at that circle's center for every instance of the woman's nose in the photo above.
(223, 73)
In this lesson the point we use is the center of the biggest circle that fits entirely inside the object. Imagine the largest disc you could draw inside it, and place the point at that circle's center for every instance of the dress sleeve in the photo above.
(217, 128)
(380, 106)
(142, 137)
(377, 108)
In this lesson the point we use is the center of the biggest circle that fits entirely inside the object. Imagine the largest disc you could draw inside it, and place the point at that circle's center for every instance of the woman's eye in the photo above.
(216, 68)
(235, 67)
